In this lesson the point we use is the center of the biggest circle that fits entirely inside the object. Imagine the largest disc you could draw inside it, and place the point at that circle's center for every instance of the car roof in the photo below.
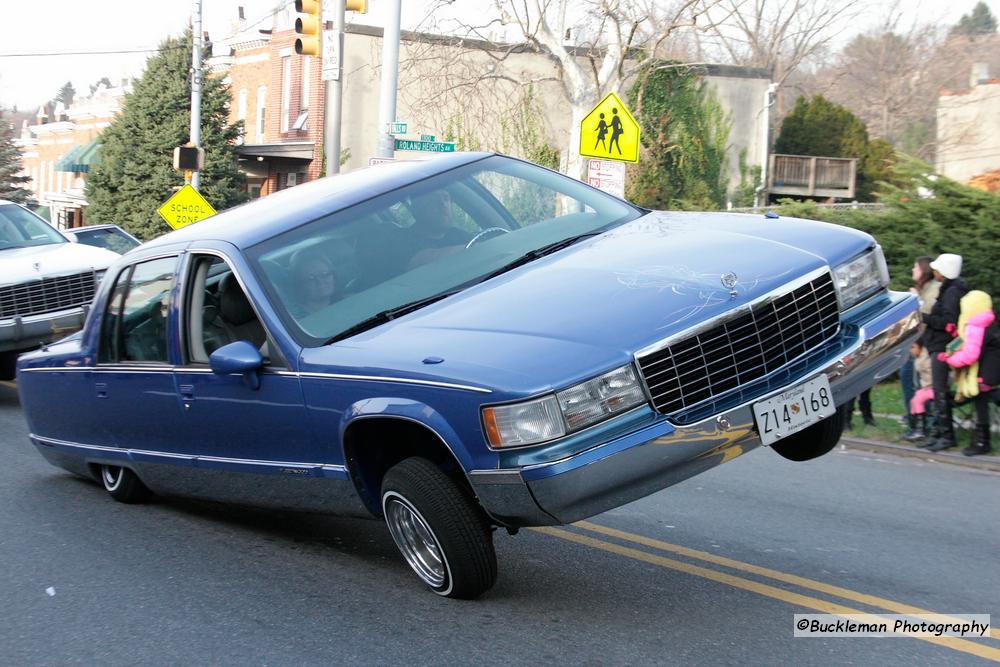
(256, 221)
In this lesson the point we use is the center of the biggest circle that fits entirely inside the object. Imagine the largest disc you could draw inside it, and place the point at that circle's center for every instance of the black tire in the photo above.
(426, 511)
(813, 442)
(8, 365)
(123, 485)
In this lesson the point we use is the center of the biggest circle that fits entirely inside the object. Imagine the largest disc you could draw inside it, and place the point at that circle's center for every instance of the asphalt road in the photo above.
(708, 572)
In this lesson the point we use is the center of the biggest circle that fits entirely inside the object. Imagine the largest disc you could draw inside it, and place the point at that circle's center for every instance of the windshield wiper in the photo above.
(390, 314)
(532, 255)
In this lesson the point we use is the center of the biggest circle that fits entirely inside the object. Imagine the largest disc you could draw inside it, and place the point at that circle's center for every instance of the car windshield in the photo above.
(20, 228)
(108, 238)
(398, 251)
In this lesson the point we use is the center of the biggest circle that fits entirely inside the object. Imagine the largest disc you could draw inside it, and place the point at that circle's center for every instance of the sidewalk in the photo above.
(952, 457)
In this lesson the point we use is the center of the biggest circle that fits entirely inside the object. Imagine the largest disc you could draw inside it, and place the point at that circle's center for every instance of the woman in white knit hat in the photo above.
(942, 326)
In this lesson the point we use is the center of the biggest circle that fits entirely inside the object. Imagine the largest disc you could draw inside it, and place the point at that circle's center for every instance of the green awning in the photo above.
(79, 158)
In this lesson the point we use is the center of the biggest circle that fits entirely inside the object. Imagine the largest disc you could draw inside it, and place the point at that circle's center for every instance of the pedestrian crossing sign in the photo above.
(610, 132)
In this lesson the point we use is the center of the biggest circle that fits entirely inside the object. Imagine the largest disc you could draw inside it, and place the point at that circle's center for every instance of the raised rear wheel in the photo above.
(123, 485)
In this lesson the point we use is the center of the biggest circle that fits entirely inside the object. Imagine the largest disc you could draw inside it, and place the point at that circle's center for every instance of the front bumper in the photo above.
(661, 454)
(30, 331)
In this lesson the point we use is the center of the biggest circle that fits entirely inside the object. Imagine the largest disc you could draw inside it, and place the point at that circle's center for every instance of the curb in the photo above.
(990, 463)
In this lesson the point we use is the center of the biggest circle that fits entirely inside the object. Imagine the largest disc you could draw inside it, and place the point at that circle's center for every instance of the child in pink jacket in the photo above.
(976, 358)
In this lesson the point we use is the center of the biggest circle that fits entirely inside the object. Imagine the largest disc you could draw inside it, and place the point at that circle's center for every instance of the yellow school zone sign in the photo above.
(185, 207)
(610, 132)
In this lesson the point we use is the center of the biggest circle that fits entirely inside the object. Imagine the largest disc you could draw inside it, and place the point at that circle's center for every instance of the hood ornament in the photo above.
(37, 266)
(729, 281)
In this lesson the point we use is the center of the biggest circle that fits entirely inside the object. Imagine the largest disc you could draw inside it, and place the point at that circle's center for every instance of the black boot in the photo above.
(943, 424)
(912, 432)
(930, 429)
(980, 442)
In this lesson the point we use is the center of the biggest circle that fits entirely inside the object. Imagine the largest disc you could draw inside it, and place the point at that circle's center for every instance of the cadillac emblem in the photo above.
(37, 266)
(729, 280)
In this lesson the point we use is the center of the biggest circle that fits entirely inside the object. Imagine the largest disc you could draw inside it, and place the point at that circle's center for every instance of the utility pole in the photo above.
(390, 76)
(334, 88)
(760, 192)
(196, 36)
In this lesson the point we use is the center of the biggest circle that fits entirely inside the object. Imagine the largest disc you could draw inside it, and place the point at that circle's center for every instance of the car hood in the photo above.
(590, 307)
(18, 265)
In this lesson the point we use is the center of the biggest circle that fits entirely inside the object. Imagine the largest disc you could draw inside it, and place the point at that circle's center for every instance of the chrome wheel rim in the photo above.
(415, 539)
(112, 476)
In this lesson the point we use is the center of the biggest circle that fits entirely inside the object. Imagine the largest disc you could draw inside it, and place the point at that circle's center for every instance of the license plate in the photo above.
(794, 410)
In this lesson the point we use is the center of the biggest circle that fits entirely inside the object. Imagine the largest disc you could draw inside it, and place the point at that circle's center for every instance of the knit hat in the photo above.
(948, 265)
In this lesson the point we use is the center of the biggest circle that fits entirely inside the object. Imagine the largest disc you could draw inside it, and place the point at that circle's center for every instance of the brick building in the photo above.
(57, 151)
(278, 95)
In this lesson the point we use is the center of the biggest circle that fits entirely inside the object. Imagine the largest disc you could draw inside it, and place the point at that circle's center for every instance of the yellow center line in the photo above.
(846, 593)
(823, 606)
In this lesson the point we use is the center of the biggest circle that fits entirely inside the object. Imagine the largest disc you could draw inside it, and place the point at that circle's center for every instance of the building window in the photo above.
(286, 90)
(241, 113)
(304, 88)
(261, 103)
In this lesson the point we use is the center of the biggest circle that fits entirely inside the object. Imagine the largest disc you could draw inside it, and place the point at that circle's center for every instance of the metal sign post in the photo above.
(196, 85)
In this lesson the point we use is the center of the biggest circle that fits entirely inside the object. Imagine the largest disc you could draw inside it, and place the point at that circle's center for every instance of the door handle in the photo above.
(187, 395)
(102, 389)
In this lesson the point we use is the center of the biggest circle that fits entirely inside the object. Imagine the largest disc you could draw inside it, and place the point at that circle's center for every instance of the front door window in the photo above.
(135, 321)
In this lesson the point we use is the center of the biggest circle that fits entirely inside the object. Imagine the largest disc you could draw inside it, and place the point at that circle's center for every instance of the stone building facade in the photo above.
(968, 129)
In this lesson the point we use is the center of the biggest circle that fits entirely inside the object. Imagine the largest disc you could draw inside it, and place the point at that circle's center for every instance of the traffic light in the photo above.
(359, 6)
(308, 26)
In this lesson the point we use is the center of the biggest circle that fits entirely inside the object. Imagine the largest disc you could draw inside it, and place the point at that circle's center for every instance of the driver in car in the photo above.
(433, 234)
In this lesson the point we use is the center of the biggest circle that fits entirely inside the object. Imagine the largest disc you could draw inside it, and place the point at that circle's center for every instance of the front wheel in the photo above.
(440, 531)
(814, 441)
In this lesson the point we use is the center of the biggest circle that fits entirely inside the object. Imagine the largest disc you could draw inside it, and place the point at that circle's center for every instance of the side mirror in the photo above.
(239, 358)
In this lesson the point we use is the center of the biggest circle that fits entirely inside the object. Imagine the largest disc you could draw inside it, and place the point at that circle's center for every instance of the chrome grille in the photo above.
(745, 347)
(47, 295)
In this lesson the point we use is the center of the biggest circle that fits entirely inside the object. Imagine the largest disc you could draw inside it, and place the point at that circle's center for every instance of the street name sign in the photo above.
(185, 207)
(610, 132)
(332, 41)
(399, 127)
(426, 146)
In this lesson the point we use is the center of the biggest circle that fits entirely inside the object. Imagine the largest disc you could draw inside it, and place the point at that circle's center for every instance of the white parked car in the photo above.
(46, 282)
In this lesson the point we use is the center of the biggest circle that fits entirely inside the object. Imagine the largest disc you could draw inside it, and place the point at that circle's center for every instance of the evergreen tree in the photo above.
(979, 22)
(684, 136)
(11, 185)
(66, 94)
(134, 174)
(105, 80)
(819, 127)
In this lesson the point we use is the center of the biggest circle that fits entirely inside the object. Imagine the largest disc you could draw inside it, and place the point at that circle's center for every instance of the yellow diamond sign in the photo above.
(185, 207)
(610, 132)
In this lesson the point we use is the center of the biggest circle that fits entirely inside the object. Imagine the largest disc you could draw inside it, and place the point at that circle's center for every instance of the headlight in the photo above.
(595, 400)
(523, 423)
(569, 410)
(861, 277)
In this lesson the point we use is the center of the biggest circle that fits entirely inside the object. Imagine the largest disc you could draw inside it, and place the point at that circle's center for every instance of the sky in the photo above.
(115, 25)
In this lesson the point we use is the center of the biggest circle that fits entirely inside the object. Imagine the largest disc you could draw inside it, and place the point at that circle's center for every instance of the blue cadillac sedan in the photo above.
(458, 345)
